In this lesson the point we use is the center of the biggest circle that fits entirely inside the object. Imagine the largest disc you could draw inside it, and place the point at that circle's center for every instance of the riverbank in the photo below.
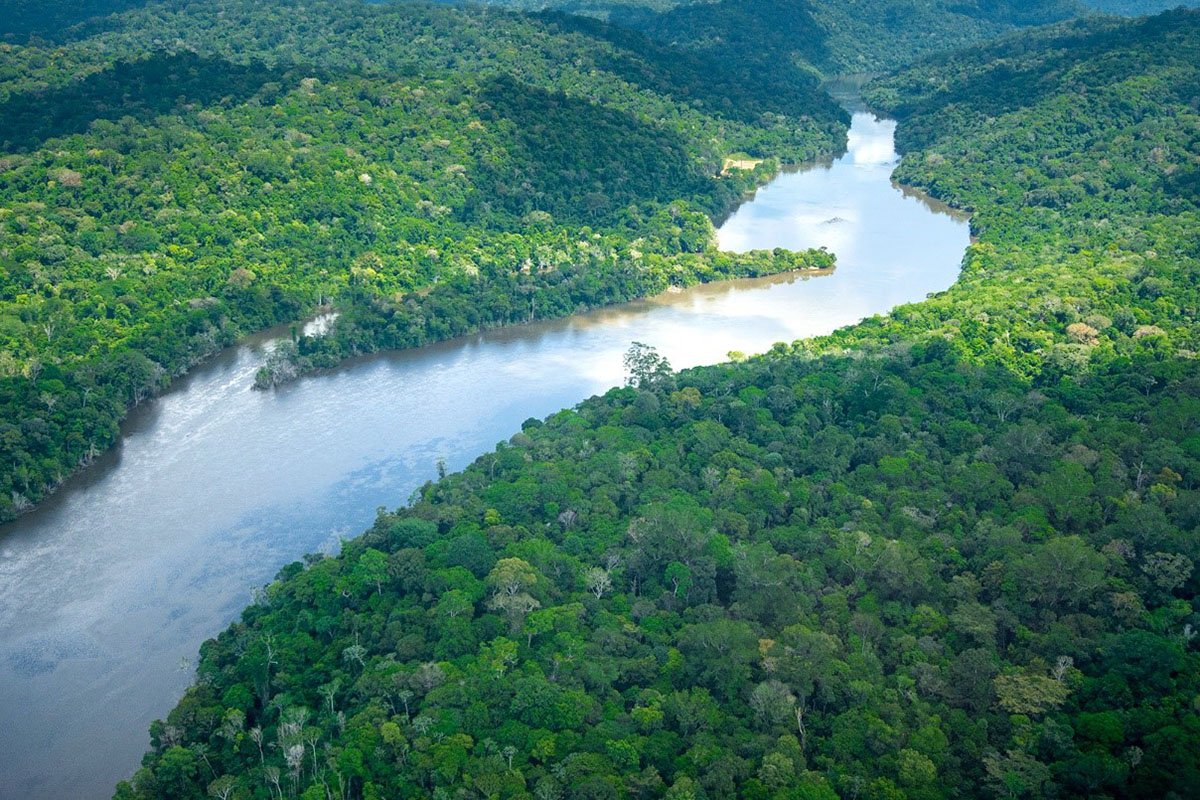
(214, 487)
(454, 310)
(567, 273)
(236, 194)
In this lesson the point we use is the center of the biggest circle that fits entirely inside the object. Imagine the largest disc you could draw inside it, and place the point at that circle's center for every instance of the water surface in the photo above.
(108, 589)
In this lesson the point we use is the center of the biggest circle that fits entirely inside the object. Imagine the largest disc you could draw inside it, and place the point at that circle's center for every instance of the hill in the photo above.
(946, 553)
(1137, 8)
(55, 20)
(188, 172)
(834, 38)
(1076, 150)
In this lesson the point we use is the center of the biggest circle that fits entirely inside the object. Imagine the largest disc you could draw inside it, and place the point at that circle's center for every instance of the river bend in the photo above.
(108, 589)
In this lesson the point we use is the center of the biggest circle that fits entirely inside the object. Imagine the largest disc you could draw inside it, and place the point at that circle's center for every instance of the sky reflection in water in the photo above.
(120, 576)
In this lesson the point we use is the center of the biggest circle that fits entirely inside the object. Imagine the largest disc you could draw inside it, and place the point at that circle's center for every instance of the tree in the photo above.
(916, 769)
(455, 603)
(512, 576)
(678, 578)
(720, 654)
(777, 771)
(598, 582)
(329, 692)
(684, 788)
(804, 658)
(223, 787)
(1023, 693)
(678, 530)
(510, 580)
(1066, 492)
(355, 654)
(175, 772)
(1015, 774)
(1169, 571)
(1062, 572)
(371, 570)
(773, 703)
(645, 368)
(562, 618)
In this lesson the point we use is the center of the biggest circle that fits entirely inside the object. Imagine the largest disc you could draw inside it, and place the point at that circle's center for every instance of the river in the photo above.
(108, 589)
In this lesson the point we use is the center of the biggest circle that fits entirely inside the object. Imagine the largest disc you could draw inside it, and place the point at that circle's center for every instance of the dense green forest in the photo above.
(1077, 150)
(185, 173)
(1137, 8)
(208, 169)
(21, 20)
(860, 36)
(947, 553)
(834, 37)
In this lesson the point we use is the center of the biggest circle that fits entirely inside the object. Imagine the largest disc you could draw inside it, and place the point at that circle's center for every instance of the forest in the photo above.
(946, 553)
(174, 175)
(196, 171)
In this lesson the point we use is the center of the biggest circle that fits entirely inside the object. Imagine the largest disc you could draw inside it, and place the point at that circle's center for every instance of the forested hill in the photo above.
(948, 553)
(834, 37)
(1137, 8)
(52, 20)
(838, 35)
(188, 172)
(1077, 151)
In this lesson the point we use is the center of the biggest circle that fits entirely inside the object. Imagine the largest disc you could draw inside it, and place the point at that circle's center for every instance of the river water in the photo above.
(108, 589)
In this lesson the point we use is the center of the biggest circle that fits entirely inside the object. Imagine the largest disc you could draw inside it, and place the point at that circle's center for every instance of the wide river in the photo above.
(108, 589)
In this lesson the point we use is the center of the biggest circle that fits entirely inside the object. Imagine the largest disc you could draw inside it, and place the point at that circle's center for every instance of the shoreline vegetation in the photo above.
(379, 325)
(430, 194)
(177, 175)
(948, 552)
(147, 160)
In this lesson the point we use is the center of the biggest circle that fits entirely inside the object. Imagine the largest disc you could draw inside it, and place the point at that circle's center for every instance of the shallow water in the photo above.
(108, 589)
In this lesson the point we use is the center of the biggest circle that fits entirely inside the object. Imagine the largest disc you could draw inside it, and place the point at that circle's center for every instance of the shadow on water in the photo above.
(846, 90)
(142, 419)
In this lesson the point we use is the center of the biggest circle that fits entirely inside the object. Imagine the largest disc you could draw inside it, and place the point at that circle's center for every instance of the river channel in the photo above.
(108, 589)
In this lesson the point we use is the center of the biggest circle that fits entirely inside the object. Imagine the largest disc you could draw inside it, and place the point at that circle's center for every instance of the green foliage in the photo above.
(820, 641)
(1136, 8)
(834, 37)
(1074, 147)
(948, 553)
(202, 170)
(55, 19)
